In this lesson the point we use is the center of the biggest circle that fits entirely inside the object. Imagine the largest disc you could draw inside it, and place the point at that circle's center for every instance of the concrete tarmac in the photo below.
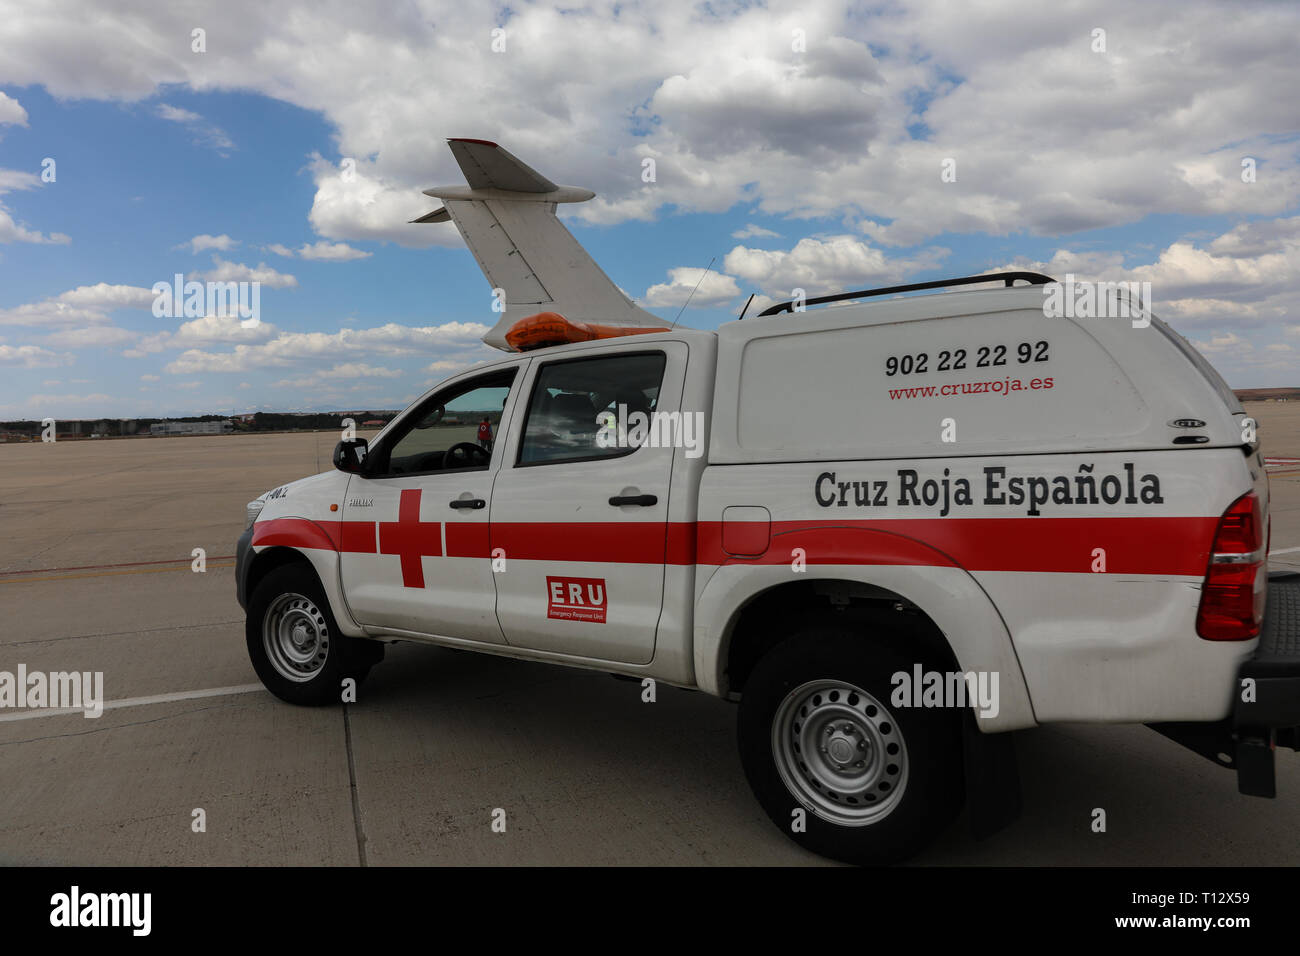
(96, 539)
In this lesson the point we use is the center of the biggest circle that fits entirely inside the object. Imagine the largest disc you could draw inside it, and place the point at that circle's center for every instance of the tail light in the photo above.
(1232, 600)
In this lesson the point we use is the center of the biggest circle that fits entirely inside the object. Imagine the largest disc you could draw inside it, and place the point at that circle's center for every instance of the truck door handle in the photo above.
(642, 500)
(475, 503)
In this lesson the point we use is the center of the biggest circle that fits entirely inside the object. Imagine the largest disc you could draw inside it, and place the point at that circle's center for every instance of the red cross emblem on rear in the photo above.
(411, 538)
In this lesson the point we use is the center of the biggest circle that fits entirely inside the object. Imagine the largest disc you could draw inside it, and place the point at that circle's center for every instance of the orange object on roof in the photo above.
(551, 328)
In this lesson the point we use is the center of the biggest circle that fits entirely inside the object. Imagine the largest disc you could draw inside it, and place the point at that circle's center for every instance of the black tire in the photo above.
(334, 656)
(864, 656)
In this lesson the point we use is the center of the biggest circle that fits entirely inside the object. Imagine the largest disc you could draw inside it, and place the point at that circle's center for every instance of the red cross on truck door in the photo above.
(410, 538)
(424, 501)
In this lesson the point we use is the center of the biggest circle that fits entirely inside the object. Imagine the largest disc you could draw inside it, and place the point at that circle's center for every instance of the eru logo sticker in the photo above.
(576, 599)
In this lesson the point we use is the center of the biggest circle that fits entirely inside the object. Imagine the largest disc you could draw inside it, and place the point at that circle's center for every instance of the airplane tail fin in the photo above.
(506, 216)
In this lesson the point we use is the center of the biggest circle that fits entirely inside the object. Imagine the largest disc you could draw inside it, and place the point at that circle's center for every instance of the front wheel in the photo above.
(295, 644)
(835, 764)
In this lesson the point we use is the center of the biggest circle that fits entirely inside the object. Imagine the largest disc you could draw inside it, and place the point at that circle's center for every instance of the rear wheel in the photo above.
(295, 644)
(818, 733)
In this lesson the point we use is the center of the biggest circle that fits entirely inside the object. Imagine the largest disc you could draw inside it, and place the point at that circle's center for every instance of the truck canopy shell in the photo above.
(974, 373)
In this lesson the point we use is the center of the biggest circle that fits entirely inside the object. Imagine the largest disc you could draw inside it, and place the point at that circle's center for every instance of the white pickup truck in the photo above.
(893, 530)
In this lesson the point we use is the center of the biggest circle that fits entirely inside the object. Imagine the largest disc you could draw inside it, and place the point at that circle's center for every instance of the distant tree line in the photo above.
(261, 421)
(284, 421)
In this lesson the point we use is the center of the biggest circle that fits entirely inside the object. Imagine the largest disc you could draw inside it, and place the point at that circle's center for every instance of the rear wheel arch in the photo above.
(742, 603)
(772, 615)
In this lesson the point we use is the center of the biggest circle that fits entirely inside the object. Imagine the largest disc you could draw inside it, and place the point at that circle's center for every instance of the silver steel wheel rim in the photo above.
(295, 637)
(840, 752)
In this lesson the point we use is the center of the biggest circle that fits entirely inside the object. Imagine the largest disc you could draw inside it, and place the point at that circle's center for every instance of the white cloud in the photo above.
(713, 289)
(51, 313)
(150, 378)
(827, 100)
(332, 251)
(366, 205)
(13, 231)
(104, 336)
(206, 330)
(11, 111)
(1228, 343)
(293, 348)
(199, 243)
(1250, 275)
(1043, 128)
(175, 114)
(31, 356)
(206, 134)
(823, 266)
(11, 179)
(224, 271)
(102, 295)
(339, 373)
(280, 250)
(220, 329)
(446, 366)
(752, 231)
(62, 407)
(80, 307)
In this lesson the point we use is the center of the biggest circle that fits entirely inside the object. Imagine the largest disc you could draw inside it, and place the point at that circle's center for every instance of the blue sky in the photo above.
(816, 167)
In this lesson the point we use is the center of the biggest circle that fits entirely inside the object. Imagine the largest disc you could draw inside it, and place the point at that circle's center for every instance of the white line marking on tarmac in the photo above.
(1283, 550)
(139, 701)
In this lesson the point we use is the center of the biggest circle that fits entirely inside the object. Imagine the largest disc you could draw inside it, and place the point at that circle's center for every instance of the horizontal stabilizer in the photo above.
(438, 215)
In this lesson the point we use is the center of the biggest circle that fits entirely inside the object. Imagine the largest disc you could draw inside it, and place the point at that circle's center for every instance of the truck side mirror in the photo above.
(350, 454)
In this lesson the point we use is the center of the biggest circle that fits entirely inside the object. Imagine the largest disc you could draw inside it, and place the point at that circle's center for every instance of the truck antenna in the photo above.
(746, 308)
(692, 295)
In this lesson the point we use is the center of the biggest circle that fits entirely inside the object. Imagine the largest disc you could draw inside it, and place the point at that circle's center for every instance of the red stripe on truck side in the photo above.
(613, 542)
(1163, 546)
(1153, 545)
(467, 540)
(297, 533)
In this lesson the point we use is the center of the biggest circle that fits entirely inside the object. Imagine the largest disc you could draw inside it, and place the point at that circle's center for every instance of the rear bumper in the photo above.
(1275, 668)
(1266, 714)
(1266, 709)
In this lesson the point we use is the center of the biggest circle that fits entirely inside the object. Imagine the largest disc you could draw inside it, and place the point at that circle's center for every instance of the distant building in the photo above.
(166, 429)
(374, 422)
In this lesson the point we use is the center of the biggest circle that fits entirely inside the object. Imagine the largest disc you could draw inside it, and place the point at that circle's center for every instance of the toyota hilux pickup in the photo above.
(894, 527)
